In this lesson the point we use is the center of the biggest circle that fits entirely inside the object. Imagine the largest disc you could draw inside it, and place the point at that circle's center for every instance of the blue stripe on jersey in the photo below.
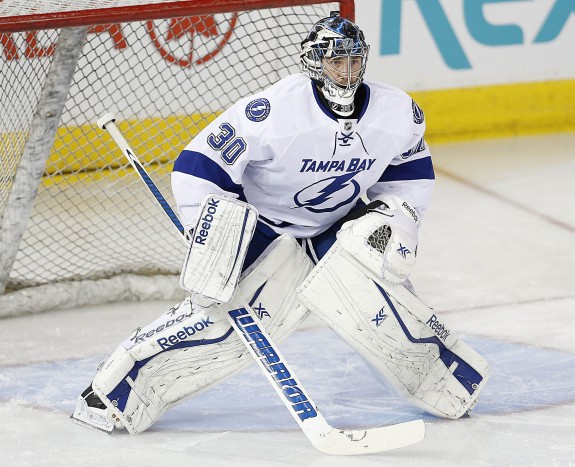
(201, 166)
(320, 103)
(419, 169)
(365, 102)
(329, 113)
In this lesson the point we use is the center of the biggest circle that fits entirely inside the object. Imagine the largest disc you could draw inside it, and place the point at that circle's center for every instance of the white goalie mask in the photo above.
(334, 55)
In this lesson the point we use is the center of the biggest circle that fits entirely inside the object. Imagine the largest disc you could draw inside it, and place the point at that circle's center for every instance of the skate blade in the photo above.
(91, 427)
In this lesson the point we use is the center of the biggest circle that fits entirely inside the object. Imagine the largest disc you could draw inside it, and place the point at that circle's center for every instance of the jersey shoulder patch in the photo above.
(418, 116)
(258, 109)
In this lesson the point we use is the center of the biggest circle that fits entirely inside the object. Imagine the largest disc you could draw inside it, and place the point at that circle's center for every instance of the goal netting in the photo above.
(77, 226)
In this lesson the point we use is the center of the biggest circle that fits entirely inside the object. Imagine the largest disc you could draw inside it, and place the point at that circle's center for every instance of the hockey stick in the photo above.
(322, 435)
(107, 123)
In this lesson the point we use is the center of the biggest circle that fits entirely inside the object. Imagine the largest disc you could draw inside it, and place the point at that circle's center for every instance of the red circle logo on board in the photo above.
(192, 40)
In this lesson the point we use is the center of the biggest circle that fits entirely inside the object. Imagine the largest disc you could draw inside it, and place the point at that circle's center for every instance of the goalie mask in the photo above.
(334, 55)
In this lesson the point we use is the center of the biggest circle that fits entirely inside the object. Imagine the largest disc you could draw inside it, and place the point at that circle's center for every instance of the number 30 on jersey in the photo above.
(230, 145)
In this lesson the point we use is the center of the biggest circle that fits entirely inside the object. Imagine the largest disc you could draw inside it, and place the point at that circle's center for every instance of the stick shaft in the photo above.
(107, 123)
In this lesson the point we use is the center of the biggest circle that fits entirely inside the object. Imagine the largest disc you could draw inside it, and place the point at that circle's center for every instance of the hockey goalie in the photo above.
(271, 194)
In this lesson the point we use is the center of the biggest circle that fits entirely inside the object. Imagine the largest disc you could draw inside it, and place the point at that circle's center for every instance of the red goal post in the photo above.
(76, 225)
(98, 13)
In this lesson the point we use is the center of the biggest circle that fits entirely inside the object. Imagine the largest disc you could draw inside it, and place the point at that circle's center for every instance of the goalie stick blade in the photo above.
(386, 438)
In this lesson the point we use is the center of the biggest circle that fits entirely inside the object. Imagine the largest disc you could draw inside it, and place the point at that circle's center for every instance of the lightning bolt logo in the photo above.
(329, 194)
(258, 110)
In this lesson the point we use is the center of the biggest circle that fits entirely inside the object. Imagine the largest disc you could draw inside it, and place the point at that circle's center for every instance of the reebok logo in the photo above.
(438, 328)
(188, 331)
(411, 211)
(140, 336)
(206, 222)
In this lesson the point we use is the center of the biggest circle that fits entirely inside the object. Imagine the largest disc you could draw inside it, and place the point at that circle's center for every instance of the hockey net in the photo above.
(77, 226)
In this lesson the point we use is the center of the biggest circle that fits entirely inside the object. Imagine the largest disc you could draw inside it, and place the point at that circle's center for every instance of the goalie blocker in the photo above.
(218, 247)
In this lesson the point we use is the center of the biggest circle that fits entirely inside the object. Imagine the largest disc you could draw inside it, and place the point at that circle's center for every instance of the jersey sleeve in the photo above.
(410, 174)
(214, 162)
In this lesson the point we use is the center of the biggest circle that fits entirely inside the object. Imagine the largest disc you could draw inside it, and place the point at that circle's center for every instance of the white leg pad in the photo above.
(404, 340)
(191, 348)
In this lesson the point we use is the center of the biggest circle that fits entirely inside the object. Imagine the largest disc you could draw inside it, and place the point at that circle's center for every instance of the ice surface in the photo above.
(497, 260)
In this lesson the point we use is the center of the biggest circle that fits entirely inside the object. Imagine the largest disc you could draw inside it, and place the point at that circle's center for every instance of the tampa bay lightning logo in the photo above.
(258, 109)
(328, 194)
(418, 116)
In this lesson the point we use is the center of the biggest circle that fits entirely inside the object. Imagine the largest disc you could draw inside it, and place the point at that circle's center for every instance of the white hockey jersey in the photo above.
(282, 151)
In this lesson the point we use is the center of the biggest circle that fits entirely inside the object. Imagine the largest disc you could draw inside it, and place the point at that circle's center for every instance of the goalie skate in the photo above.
(92, 413)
